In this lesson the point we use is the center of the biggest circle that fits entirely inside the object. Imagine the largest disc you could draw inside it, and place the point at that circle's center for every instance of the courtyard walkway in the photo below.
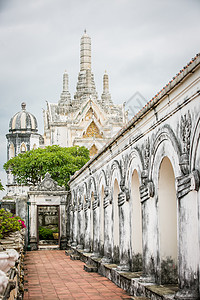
(52, 275)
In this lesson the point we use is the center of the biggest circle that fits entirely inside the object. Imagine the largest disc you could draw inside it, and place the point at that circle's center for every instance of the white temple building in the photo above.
(86, 120)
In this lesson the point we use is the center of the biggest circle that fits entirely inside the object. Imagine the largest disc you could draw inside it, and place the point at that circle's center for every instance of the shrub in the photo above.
(9, 223)
(45, 233)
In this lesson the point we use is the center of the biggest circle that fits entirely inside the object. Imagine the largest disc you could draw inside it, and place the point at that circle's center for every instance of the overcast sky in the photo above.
(141, 43)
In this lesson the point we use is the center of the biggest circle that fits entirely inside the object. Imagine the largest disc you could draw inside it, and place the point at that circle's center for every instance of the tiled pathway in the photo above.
(52, 275)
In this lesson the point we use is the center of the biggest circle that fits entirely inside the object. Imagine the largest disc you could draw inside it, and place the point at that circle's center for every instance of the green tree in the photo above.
(1, 186)
(30, 167)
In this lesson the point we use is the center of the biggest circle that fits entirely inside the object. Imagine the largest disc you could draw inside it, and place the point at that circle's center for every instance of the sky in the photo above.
(141, 44)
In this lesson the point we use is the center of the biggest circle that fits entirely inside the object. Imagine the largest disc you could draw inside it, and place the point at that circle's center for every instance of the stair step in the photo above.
(139, 298)
(69, 252)
(48, 247)
(90, 268)
(74, 257)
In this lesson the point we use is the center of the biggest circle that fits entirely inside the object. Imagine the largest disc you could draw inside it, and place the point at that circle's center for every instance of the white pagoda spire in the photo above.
(105, 83)
(65, 82)
(106, 97)
(85, 85)
(85, 52)
(65, 97)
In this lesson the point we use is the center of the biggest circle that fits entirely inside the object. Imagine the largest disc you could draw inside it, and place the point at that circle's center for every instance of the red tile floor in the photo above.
(52, 275)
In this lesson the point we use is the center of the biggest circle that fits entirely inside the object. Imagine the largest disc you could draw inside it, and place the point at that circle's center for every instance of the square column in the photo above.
(80, 226)
(87, 246)
(75, 223)
(33, 224)
(149, 232)
(63, 223)
(96, 228)
(108, 227)
(124, 231)
(189, 254)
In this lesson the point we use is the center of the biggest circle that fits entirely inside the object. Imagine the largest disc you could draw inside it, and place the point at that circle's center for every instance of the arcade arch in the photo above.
(167, 220)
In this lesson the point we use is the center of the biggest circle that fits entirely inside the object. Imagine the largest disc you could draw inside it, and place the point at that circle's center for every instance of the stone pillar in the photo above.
(22, 212)
(187, 186)
(80, 226)
(33, 225)
(124, 230)
(75, 223)
(149, 232)
(63, 223)
(21, 207)
(87, 225)
(96, 228)
(108, 227)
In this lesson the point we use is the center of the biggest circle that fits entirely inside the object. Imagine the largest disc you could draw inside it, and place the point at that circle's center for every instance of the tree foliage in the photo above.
(30, 167)
(1, 186)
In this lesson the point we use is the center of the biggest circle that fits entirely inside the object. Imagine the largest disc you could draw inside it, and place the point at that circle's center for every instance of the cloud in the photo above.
(142, 44)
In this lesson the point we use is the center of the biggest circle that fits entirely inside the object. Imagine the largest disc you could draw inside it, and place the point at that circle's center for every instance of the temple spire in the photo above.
(65, 81)
(106, 97)
(65, 97)
(85, 85)
(105, 83)
(85, 53)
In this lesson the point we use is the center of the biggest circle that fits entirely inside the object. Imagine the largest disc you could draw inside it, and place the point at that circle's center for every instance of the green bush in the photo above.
(46, 233)
(9, 223)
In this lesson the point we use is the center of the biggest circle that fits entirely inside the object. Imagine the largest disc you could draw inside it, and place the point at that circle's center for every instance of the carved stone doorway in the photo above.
(47, 203)
(48, 226)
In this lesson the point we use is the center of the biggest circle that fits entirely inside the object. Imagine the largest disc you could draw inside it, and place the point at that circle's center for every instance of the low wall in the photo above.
(132, 282)
(11, 266)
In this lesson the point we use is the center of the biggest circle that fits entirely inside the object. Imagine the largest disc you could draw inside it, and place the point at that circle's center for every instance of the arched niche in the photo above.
(167, 222)
(11, 151)
(23, 148)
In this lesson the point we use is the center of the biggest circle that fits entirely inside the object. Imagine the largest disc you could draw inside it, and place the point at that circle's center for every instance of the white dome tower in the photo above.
(22, 137)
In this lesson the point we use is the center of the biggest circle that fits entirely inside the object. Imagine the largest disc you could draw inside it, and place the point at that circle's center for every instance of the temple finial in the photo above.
(23, 105)
(85, 31)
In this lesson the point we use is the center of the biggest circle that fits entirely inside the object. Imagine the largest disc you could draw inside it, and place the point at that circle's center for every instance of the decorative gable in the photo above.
(47, 184)
(92, 131)
(93, 150)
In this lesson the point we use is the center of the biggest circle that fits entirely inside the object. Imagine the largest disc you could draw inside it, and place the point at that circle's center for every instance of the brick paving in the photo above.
(51, 275)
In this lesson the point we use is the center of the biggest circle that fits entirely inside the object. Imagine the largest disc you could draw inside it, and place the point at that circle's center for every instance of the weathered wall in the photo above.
(145, 185)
